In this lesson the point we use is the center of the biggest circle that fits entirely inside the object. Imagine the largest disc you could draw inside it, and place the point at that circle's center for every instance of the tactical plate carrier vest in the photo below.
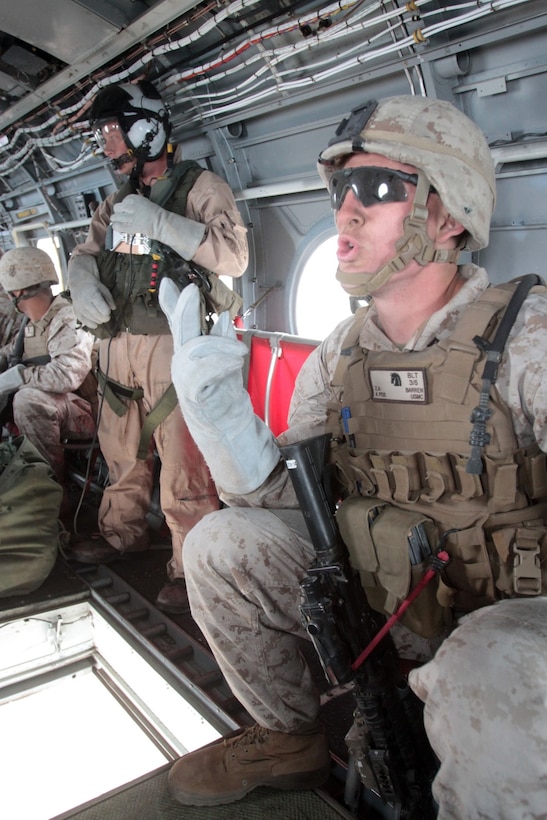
(401, 445)
(34, 341)
(31, 349)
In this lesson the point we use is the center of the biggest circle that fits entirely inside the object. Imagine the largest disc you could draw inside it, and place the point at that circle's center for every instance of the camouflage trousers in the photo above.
(45, 418)
(485, 690)
(242, 568)
(186, 488)
(485, 695)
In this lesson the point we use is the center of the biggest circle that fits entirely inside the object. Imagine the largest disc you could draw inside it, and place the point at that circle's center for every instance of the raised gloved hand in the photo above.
(207, 373)
(92, 301)
(136, 214)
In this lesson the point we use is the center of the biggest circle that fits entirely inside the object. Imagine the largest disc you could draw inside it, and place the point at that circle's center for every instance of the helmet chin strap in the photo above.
(414, 244)
(123, 159)
(28, 293)
(138, 164)
(140, 156)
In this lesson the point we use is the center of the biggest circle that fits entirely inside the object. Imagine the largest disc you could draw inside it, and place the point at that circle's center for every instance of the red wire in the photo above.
(429, 574)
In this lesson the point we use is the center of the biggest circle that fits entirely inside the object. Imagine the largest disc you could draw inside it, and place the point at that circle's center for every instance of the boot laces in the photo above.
(256, 735)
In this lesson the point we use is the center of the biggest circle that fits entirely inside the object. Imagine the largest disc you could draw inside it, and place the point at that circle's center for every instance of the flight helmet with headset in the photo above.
(140, 114)
(451, 156)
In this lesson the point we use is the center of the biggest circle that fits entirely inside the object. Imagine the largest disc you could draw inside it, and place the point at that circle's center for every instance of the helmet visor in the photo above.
(108, 132)
(370, 185)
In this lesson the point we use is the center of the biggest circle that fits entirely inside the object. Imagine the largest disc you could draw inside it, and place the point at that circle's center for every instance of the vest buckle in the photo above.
(526, 562)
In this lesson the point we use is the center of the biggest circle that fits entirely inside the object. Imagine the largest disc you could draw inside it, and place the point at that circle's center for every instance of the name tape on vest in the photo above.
(408, 386)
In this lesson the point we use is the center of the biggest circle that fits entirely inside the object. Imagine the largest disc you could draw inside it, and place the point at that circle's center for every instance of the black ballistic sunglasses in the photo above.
(370, 185)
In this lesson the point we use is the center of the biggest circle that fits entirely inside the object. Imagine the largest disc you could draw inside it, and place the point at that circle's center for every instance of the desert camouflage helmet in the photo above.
(24, 267)
(437, 139)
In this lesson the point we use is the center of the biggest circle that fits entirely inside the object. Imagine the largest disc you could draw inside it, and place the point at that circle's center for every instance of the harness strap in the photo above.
(157, 414)
(114, 391)
(479, 438)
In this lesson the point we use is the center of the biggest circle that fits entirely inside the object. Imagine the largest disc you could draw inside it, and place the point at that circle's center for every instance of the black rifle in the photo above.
(388, 743)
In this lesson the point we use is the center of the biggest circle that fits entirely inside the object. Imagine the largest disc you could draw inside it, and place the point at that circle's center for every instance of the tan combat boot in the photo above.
(229, 768)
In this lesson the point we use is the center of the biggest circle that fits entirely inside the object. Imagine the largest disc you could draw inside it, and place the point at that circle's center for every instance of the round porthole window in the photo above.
(320, 301)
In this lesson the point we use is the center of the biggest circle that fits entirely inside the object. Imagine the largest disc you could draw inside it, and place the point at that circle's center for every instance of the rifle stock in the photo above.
(387, 741)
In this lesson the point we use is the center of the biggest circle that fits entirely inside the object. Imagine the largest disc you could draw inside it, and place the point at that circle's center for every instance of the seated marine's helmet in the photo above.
(140, 113)
(450, 153)
(26, 267)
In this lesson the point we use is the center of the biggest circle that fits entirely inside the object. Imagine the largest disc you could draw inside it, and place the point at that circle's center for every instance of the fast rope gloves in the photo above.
(136, 214)
(92, 301)
(10, 381)
(207, 373)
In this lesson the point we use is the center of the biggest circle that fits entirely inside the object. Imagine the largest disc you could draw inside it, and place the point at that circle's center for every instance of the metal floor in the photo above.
(127, 591)
(149, 800)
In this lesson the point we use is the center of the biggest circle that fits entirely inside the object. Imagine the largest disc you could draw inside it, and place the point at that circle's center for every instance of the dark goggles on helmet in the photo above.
(370, 185)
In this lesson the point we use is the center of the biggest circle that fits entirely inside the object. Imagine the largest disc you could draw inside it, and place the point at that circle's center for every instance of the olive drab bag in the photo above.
(30, 499)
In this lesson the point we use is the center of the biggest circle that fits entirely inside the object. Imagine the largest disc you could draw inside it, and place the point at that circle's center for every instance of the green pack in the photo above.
(30, 499)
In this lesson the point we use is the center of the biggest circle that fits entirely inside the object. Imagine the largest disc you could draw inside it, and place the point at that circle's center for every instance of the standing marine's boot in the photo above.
(231, 767)
(172, 597)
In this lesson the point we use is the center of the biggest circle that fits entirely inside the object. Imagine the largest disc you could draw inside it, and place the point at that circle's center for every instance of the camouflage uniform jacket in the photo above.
(10, 319)
(68, 346)
(521, 383)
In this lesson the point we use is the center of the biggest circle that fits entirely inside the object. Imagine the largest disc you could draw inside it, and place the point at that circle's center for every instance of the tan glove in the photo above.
(207, 372)
(92, 301)
(136, 214)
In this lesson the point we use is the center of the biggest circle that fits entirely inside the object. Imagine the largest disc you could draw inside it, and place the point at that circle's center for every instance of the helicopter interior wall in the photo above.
(518, 237)
(499, 91)
(495, 81)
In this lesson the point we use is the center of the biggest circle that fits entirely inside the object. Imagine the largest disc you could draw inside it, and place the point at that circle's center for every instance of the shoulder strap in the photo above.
(19, 346)
(348, 346)
(127, 188)
(522, 288)
(187, 171)
(479, 437)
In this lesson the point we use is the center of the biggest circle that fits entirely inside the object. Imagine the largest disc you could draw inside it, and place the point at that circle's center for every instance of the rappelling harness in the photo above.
(134, 279)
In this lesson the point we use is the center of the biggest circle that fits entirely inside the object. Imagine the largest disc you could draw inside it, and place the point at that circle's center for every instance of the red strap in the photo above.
(441, 559)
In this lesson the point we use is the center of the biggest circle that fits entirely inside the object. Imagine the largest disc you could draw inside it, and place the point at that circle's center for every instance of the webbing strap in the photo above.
(479, 438)
(157, 414)
(114, 392)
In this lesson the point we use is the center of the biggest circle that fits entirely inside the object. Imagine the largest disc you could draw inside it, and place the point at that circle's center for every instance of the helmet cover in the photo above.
(21, 268)
(434, 137)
